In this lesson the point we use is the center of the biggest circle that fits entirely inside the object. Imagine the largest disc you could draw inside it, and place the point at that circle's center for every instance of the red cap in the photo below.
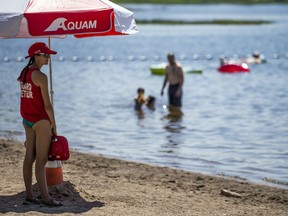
(39, 47)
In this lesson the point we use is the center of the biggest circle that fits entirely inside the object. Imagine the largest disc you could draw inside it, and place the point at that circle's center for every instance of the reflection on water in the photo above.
(175, 114)
(174, 126)
(140, 114)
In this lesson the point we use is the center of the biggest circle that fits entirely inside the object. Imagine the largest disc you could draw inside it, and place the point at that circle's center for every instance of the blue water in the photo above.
(232, 124)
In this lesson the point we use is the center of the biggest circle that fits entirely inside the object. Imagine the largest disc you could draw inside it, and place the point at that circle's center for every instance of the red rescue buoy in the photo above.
(233, 68)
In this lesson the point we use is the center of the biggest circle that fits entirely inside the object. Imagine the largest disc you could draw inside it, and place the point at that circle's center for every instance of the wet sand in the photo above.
(97, 185)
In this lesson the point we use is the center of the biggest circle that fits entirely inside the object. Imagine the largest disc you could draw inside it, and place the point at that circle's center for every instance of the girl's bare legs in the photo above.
(29, 160)
(43, 139)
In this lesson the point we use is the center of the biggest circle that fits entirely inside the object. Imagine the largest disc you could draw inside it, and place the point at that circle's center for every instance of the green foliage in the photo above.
(201, 1)
(204, 22)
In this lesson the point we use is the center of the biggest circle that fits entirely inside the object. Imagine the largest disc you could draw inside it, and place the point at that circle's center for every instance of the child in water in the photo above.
(139, 99)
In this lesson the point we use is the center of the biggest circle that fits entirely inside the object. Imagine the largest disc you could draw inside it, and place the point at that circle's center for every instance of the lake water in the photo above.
(232, 124)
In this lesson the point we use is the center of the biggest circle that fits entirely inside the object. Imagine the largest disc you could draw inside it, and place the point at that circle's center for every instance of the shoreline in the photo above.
(265, 181)
(97, 185)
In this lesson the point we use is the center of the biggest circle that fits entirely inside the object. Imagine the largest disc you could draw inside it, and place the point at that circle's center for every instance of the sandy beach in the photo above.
(96, 185)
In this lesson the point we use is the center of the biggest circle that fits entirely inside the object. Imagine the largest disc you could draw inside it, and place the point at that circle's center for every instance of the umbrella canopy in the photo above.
(57, 18)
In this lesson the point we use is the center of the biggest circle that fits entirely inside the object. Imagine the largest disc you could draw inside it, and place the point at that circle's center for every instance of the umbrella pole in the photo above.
(50, 73)
(53, 169)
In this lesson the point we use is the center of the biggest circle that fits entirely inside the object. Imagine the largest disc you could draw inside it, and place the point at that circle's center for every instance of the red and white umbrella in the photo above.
(50, 18)
(59, 18)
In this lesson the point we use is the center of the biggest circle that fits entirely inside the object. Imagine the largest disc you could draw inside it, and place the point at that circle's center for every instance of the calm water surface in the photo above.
(234, 125)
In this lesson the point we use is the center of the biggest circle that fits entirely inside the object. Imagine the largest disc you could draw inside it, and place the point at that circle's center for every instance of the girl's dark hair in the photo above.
(139, 90)
(25, 69)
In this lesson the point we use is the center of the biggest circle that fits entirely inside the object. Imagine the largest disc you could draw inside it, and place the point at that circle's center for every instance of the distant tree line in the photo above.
(202, 1)
(203, 22)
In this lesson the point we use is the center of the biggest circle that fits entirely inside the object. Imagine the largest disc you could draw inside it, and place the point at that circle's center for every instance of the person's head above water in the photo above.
(150, 102)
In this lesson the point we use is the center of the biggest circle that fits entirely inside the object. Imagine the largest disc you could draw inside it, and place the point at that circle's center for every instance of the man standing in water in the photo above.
(175, 76)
